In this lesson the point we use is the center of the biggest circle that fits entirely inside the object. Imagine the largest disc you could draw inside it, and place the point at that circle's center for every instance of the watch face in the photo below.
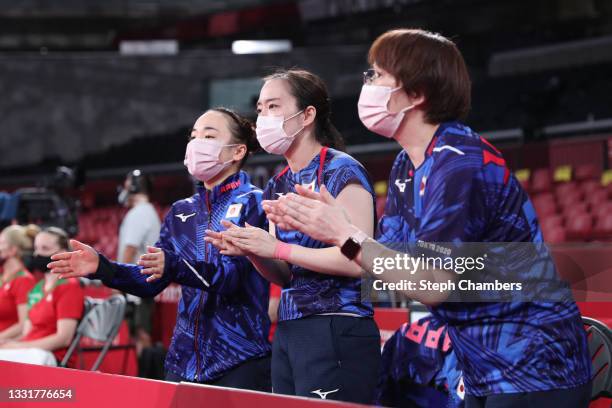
(351, 248)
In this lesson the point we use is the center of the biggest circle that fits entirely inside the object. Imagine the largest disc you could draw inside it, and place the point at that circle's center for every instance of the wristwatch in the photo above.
(352, 245)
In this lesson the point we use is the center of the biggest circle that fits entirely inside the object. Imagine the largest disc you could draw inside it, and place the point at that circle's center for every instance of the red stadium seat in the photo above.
(588, 186)
(601, 209)
(554, 234)
(543, 197)
(551, 221)
(99, 227)
(579, 226)
(597, 198)
(545, 204)
(538, 199)
(575, 208)
(541, 180)
(587, 172)
(603, 226)
(608, 188)
(566, 188)
(570, 199)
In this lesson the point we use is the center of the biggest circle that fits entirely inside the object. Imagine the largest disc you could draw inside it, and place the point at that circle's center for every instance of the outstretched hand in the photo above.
(82, 261)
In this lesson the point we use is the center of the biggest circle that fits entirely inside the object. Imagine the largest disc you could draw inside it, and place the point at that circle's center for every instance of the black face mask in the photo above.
(39, 263)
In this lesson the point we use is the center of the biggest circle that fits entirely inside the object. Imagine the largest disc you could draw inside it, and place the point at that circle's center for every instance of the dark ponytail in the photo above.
(243, 131)
(310, 90)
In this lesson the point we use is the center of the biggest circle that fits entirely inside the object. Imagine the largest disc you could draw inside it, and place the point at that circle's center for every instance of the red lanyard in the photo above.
(321, 164)
(322, 157)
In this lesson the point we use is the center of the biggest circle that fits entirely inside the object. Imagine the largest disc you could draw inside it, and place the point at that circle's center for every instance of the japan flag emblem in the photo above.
(422, 186)
(233, 211)
(461, 389)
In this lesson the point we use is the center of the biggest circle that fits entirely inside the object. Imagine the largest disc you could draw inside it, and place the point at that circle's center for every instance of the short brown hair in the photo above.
(427, 64)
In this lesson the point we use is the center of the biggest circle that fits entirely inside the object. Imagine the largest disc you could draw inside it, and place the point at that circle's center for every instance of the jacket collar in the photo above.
(228, 185)
(434, 140)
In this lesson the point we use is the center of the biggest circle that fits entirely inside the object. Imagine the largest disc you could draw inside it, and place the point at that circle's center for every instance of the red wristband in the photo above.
(282, 251)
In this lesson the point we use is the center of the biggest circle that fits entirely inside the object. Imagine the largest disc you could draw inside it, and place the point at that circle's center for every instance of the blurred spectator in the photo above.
(139, 229)
(16, 281)
(55, 307)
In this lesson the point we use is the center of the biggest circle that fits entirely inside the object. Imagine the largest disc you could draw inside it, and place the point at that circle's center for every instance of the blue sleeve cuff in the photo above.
(106, 270)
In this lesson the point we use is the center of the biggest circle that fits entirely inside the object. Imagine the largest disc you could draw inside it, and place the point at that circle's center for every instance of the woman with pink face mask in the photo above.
(326, 343)
(221, 333)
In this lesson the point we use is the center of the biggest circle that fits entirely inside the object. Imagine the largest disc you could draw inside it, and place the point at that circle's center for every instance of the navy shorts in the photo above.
(327, 357)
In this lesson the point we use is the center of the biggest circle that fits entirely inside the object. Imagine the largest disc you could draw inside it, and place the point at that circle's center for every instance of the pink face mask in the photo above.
(373, 112)
(202, 158)
(271, 135)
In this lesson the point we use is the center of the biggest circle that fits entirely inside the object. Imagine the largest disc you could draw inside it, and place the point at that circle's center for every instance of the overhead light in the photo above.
(153, 47)
(260, 46)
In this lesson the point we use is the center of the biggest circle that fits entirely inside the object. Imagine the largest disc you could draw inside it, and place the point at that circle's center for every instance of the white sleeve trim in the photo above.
(196, 273)
(447, 147)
